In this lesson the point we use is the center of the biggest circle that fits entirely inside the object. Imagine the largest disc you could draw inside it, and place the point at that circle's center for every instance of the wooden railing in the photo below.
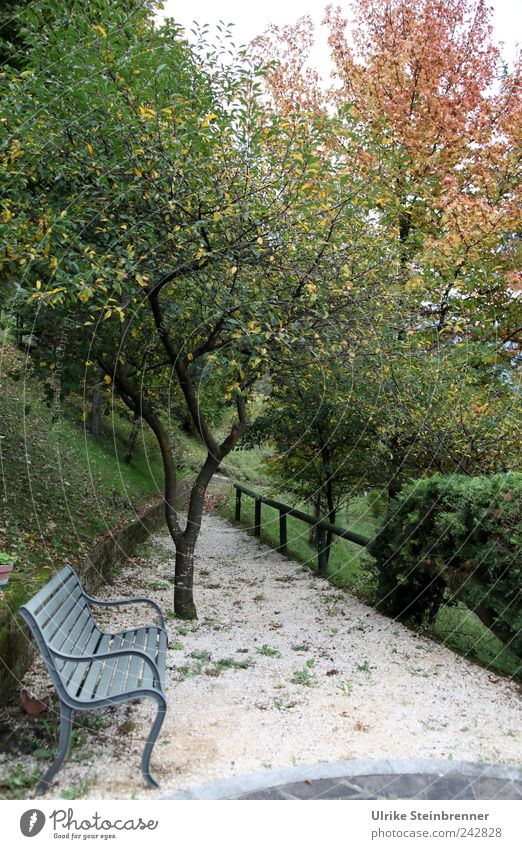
(322, 526)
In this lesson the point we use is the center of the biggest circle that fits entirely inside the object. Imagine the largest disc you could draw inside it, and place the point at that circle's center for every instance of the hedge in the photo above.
(455, 538)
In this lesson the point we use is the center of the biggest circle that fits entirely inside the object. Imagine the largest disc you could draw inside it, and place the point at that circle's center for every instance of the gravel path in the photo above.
(283, 669)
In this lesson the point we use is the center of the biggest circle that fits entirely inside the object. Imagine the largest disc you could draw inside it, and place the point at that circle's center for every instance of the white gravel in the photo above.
(375, 689)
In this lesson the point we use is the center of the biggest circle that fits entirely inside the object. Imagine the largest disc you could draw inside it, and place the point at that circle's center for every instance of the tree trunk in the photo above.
(95, 425)
(184, 606)
(185, 543)
(329, 536)
(332, 513)
(136, 424)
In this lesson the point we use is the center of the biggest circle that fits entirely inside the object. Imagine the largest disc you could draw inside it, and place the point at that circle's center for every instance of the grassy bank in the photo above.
(60, 486)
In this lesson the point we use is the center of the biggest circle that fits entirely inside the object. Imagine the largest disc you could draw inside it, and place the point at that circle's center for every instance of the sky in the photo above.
(251, 18)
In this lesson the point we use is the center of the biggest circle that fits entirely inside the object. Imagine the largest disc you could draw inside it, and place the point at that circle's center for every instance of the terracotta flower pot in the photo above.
(5, 573)
(32, 705)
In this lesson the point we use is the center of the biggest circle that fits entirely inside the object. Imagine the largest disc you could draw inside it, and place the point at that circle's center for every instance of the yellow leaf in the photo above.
(107, 379)
(90, 149)
(100, 29)
(146, 112)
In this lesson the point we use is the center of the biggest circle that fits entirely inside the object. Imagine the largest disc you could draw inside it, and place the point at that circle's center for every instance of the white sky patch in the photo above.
(252, 19)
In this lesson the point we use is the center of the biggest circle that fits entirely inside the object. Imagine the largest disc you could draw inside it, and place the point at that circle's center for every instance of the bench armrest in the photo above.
(129, 601)
(110, 655)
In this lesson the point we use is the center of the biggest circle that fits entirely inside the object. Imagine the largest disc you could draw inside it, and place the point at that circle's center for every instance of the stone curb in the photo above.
(233, 787)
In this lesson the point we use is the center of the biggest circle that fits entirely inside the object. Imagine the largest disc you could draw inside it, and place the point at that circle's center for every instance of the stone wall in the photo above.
(104, 559)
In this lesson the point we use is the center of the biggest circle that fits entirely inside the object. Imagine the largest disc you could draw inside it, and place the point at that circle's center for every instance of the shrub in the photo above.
(455, 538)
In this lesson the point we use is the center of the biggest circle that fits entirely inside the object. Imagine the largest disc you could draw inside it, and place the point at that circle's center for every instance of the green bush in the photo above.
(450, 539)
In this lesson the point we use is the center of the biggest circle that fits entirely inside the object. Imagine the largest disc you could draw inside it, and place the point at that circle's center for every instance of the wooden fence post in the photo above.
(238, 505)
(257, 517)
(283, 541)
(322, 561)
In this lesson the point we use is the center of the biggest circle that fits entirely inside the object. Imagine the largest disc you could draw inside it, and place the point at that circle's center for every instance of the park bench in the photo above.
(92, 669)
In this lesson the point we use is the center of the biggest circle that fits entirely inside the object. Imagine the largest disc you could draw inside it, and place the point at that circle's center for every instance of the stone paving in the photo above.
(377, 780)
(453, 786)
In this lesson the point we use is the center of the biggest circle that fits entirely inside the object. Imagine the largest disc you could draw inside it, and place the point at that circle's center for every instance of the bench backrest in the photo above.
(60, 618)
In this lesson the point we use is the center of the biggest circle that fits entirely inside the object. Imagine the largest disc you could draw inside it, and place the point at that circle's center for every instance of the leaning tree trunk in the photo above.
(136, 424)
(185, 543)
(184, 540)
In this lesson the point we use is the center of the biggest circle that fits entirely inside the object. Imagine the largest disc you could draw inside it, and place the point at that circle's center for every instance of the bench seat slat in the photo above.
(57, 630)
(88, 688)
(65, 577)
(77, 638)
(74, 673)
(161, 658)
(56, 612)
(118, 683)
(156, 645)
(109, 666)
(84, 636)
(135, 673)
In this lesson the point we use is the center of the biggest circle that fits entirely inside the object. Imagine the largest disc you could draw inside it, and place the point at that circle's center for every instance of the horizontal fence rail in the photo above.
(322, 525)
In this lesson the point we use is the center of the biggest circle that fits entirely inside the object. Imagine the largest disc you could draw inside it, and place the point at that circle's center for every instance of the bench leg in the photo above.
(149, 745)
(66, 715)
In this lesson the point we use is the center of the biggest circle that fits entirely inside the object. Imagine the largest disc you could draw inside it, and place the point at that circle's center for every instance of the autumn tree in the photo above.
(437, 120)
(168, 228)
(426, 112)
(432, 117)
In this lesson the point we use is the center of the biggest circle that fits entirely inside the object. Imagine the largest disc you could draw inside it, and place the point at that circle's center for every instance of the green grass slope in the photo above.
(60, 487)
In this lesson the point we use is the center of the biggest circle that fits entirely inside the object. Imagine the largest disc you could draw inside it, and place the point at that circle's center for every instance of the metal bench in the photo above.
(92, 669)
